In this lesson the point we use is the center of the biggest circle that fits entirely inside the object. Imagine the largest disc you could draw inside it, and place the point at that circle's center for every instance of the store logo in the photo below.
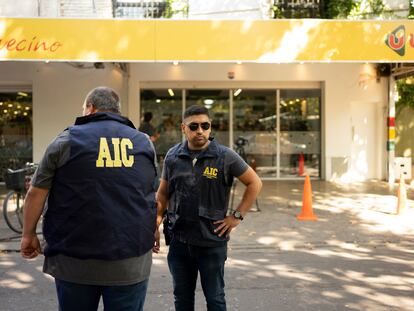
(28, 45)
(210, 172)
(396, 40)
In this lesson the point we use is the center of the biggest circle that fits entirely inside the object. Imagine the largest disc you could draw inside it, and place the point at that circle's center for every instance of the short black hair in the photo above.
(104, 99)
(147, 116)
(195, 110)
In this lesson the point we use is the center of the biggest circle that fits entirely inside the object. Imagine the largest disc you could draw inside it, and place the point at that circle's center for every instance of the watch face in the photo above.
(237, 215)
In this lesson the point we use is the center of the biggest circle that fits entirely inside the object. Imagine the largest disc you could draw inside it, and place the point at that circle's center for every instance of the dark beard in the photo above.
(198, 143)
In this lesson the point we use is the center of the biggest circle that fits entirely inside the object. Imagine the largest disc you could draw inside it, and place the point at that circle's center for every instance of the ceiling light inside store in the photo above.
(267, 118)
(175, 63)
(209, 101)
(25, 113)
(10, 105)
(5, 110)
(171, 92)
(27, 108)
(158, 100)
(1, 103)
(237, 92)
(22, 93)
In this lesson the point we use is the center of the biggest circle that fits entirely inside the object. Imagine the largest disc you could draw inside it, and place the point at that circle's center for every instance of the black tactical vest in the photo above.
(198, 194)
(102, 201)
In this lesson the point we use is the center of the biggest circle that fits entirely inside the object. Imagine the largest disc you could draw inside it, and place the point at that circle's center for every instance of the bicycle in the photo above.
(18, 182)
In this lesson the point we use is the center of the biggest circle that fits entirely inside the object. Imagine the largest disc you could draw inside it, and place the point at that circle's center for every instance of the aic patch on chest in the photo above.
(210, 172)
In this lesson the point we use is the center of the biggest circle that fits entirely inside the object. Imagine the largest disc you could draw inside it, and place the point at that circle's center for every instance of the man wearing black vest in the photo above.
(195, 186)
(97, 180)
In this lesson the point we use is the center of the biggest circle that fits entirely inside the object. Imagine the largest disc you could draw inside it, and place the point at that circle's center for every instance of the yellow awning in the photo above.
(265, 41)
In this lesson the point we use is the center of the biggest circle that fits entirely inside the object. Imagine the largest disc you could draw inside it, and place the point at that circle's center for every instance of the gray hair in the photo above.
(104, 99)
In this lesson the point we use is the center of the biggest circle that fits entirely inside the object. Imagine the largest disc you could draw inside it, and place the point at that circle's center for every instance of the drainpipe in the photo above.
(391, 129)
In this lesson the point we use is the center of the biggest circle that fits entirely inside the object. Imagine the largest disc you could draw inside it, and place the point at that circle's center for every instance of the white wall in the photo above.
(26, 8)
(343, 84)
(58, 94)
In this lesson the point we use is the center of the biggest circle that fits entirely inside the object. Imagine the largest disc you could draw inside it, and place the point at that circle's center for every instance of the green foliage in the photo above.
(277, 13)
(367, 9)
(339, 8)
(176, 7)
(168, 10)
(344, 9)
(405, 93)
(411, 11)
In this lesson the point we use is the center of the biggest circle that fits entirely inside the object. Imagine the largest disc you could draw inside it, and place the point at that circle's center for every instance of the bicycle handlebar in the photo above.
(29, 167)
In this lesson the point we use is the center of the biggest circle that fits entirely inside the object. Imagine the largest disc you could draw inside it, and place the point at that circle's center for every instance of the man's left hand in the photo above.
(156, 246)
(226, 225)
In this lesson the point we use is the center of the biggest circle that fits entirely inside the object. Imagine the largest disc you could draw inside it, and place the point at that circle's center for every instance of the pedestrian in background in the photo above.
(195, 186)
(97, 180)
(147, 128)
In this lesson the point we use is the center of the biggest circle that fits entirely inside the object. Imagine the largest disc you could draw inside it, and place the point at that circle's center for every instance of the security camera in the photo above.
(99, 65)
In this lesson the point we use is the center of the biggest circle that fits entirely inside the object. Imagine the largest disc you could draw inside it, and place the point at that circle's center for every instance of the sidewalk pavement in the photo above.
(358, 255)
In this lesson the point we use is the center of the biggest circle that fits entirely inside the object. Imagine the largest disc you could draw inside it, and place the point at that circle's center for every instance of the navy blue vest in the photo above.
(102, 201)
(199, 194)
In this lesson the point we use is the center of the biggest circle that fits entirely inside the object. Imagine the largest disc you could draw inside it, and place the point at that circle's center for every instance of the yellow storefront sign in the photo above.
(267, 41)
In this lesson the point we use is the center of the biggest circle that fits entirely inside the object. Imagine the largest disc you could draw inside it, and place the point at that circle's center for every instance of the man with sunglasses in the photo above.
(195, 186)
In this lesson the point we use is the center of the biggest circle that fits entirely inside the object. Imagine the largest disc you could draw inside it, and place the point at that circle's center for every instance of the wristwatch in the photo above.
(237, 215)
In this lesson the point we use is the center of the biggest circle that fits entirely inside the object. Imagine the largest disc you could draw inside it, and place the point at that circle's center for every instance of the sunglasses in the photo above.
(193, 126)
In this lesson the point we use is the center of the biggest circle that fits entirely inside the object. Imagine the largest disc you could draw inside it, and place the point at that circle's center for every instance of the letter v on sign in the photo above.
(396, 40)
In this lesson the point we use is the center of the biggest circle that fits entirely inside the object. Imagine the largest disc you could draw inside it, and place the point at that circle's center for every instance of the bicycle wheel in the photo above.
(13, 211)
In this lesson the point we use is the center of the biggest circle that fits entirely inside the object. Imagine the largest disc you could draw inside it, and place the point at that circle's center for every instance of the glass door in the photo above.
(300, 133)
(254, 126)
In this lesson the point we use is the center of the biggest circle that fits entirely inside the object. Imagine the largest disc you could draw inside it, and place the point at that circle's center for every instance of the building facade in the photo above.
(323, 119)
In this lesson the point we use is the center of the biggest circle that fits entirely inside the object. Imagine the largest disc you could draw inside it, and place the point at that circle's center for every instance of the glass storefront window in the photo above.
(166, 108)
(15, 130)
(258, 116)
(300, 133)
(217, 101)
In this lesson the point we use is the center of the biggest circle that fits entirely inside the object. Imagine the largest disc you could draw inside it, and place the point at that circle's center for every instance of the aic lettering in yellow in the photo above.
(120, 156)
(210, 172)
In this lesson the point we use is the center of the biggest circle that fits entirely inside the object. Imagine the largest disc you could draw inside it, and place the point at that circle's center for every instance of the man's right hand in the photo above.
(30, 246)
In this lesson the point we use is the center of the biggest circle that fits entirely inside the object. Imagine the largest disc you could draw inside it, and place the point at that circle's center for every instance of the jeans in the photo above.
(80, 297)
(185, 261)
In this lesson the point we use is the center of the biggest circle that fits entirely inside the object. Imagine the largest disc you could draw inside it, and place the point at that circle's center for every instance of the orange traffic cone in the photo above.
(307, 211)
(401, 195)
(301, 165)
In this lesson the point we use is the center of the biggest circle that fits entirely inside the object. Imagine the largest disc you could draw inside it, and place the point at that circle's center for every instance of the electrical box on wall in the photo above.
(402, 166)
